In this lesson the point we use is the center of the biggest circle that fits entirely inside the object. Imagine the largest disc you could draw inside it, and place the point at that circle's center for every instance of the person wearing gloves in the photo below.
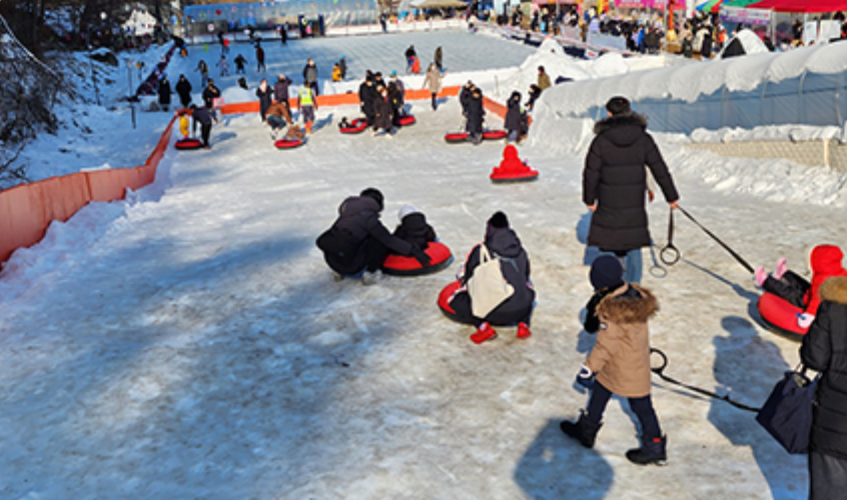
(358, 242)
(413, 227)
(619, 363)
(503, 245)
(824, 262)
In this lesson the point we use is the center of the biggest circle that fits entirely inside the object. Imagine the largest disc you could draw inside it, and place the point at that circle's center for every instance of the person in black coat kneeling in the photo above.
(502, 245)
(825, 350)
(358, 242)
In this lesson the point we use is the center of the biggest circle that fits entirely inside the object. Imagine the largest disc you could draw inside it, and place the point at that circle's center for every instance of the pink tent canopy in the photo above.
(807, 6)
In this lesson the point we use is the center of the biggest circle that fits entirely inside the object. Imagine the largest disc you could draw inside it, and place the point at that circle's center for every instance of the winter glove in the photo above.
(584, 379)
(421, 256)
(804, 320)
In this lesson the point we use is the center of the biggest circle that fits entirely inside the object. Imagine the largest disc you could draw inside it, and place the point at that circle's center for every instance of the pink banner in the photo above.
(645, 4)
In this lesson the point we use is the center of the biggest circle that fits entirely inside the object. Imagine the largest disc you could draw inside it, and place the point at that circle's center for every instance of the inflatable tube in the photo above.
(357, 126)
(504, 177)
(288, 144)
(398, 265)
(188, 144)
(780, 316)
(491, 135)
(444, 303)
(456, 137)
(405, 121)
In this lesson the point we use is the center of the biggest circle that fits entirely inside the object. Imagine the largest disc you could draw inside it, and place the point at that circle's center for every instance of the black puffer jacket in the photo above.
(513, 113)
(475, 114)
(358, 220)
(615, 180)
(384, 110)
(514, 265)
(825, 350)
(415, 230)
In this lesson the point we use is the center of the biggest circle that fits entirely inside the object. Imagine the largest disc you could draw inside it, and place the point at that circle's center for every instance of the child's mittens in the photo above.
(584, 379)
(805, 320)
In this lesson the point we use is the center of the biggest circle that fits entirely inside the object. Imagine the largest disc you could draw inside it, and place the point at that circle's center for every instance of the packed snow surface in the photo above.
(189, 342)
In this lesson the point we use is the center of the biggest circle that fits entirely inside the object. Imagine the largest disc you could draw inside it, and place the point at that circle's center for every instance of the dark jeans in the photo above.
(205, 132)
(276, 122)
(827, 476)
(433, 101)
(642, 407)
(791, 287)
(314, 87)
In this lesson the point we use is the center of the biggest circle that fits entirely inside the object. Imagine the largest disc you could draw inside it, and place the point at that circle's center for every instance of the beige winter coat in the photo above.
(433, 80)
(621, 357)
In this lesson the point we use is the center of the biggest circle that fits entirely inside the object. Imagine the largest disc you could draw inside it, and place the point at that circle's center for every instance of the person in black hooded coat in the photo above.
(476, 112)
(502, 243)
(384, 109)
(367, 97)
(614, 184)
(357, 240)
(183, 88)
(514, 117)
(825, 350)
(414, 228)
(164, 93)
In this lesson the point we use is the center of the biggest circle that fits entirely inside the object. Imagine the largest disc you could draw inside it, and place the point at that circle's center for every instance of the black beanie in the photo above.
(498, 221)
(606, 271)
(375, 194)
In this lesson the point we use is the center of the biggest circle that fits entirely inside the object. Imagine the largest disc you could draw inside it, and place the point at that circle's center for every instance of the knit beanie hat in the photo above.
(606, 271)
(375, 194)
(405, 210)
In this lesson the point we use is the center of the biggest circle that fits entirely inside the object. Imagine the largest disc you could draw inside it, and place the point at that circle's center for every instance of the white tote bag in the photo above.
(487, 287)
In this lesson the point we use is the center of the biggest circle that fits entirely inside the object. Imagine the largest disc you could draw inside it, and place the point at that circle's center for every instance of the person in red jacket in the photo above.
(824, 262)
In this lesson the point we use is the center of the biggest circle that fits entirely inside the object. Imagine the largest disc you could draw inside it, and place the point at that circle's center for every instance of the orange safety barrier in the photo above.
(27, 210)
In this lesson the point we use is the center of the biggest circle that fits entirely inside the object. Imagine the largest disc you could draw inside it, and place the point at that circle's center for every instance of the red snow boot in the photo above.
(523, 331)
(483, 333)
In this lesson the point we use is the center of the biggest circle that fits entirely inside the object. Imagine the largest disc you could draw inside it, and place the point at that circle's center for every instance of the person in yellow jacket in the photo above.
(336, 73)
(184, 125)
(307, 106)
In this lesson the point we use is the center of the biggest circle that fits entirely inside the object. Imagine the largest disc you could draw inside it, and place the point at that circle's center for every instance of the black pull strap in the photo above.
(669, 254)
(732, 252)
(659, 370)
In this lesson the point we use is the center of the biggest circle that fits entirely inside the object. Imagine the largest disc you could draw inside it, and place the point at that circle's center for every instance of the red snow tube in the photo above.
(456, 137)
(357, 126)
(444, 302)
(513, 176)
(399, 265)
(289, 144)
(780, 316)
(405, 121)
(494, 134)
(186, 144)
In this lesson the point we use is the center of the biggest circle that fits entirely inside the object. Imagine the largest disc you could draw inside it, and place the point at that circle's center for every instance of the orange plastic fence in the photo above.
(27, 210)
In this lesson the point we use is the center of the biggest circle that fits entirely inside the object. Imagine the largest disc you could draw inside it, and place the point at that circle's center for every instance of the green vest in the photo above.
(306, 96)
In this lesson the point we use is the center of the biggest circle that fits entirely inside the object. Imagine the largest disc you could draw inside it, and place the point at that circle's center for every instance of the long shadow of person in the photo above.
(750, 365)
(555, 467)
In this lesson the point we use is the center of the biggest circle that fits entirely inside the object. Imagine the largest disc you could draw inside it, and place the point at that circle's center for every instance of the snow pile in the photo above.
(794, 133)
(750, 41)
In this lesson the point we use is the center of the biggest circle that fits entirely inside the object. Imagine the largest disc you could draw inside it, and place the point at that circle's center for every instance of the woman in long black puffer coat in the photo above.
(475, 112)
(183, 88)
(164, 93)
(384, 112)
(513, 117)
(265, 93)
(825, 350)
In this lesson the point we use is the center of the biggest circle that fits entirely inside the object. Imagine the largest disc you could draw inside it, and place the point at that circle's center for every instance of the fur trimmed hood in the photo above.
(628, 304)
(627, 119)
(835, 290)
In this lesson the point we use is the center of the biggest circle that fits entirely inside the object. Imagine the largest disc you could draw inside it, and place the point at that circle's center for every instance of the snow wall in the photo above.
(803, 87)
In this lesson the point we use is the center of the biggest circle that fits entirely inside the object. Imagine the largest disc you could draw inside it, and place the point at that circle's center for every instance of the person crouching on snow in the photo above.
(619, 363)
(413, 227)
(358, 243)
(476, 306)
(824, 261)
(277, 117)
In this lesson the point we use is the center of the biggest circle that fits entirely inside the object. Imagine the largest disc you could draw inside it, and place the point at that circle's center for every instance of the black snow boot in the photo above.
(583, 430)
(652, 451)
